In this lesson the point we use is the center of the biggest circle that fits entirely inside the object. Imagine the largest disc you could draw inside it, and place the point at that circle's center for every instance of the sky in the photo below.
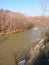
(27, 7)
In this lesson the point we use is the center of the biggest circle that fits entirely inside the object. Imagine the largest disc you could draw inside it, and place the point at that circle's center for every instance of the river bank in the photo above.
(42, 21)
(12, 22)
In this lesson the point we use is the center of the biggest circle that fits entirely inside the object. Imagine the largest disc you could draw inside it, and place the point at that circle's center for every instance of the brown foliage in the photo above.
(13, 22)
(41, 20)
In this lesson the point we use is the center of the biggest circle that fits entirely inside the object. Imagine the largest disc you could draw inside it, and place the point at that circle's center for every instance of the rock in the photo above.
(22, 62)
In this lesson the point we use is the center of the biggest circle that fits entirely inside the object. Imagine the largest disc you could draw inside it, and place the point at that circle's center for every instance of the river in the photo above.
(18, 44)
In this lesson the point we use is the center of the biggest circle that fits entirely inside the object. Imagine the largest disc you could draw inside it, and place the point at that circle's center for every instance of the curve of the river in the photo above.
(18, 43)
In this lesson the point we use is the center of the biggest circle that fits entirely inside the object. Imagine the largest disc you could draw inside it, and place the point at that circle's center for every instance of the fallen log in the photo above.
(36, 52)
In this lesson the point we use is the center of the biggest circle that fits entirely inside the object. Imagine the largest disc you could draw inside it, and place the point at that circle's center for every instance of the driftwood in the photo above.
(34, 53)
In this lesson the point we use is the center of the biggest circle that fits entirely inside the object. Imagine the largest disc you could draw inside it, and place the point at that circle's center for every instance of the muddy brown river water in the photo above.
(18, 43)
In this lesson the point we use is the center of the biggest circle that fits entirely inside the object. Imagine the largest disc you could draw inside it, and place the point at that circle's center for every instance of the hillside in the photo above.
(13, 22)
